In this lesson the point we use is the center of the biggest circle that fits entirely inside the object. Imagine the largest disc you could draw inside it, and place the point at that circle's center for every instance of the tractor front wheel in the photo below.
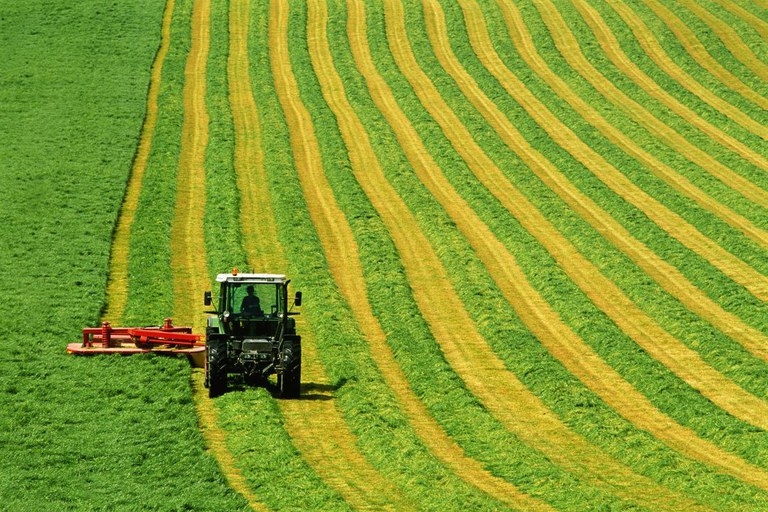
(289, 380)
(216, 367)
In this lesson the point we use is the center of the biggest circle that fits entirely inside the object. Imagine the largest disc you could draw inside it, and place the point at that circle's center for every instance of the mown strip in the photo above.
(649, 45)
(670, 57)
(257, 224)
(223, 241)
(187, 244)
(736, 301)
(664, 217)
(479, 236)
(691, 42)
(601, 291)
(415, 350)
(493, 184)
(729, 38)
(754, 21)
(253, 428)
(696, 51)
(340, 247)
(668, 276)
(117, 282)
(223, 247)
(334, 456)
(636, 50)
(384, 435)
(656, 54)
(612, 49)
(216, 440)
(640, 174)
(697, 173)
(567, 43)
(441, 308)
(150, 282)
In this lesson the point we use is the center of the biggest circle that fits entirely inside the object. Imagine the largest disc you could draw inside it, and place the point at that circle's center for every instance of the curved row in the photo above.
(369, 165)
(341, 99)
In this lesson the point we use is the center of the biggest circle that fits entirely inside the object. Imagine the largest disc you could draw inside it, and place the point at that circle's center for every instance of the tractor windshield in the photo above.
(253, 299)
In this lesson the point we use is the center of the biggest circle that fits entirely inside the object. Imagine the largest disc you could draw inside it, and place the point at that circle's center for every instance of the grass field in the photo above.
(531, 238)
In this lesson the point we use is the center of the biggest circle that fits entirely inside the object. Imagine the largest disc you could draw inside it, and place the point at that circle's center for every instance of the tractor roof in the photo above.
(251, 278)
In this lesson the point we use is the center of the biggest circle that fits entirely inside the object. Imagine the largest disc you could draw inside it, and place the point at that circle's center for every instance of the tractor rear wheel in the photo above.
(216, 367)
(289, 380)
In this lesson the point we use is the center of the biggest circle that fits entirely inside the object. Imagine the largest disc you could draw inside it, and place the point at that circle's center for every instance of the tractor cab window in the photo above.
(253, 299)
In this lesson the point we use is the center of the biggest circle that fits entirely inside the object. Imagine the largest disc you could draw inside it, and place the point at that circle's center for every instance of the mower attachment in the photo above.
(165, 339)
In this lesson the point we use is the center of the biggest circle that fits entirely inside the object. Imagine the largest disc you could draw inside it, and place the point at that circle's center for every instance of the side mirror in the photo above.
(297, 299)
(207, 298)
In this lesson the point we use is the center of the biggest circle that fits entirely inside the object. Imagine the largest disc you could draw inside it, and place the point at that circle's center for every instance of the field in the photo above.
(531, 239)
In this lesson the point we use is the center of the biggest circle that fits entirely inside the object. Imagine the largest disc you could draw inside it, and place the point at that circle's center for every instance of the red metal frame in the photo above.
(167, 334)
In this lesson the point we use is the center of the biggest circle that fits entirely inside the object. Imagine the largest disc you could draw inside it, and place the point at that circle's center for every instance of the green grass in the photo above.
(150, 281)
(107, 433)
(264, 451)
(81, 434)
(368, 406)
(559, 291)
(223, 245)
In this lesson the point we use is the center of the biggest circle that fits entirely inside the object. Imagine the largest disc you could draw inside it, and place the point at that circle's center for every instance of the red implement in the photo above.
(165, 339)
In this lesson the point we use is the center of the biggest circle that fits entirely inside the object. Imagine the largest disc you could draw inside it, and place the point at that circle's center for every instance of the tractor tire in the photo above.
(216, 367)
(289, 380)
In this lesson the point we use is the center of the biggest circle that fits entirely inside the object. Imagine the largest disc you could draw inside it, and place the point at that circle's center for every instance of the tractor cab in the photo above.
(253, 305)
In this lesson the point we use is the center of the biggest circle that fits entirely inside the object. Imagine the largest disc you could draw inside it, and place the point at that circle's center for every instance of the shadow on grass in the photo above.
(317, 391)
(310, 391)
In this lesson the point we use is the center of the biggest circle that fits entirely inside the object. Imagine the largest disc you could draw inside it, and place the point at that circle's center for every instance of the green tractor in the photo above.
(253, 333)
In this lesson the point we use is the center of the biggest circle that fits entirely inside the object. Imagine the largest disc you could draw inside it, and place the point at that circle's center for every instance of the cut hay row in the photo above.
(605, 295)
(342, 252)
(256, 222)
(331, 88)
(308, 164)
(424, 270)
(623, 62)
(360, 162)
(317, 427)
(491, 184)
(476, 232)
(117, 284)
(611, 300)
(565, 40)
(722, 71)
(750, 338)
(687, 39)
(421, 375)
(187, 241)
(730, 39)
(670, 221)
(748, 18)
(216, 440)
(665, 274)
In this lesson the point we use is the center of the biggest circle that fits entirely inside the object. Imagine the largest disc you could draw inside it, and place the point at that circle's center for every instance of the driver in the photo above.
(250, 305)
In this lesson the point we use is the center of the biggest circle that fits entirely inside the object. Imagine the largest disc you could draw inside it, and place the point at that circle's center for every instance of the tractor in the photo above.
(252, 333)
